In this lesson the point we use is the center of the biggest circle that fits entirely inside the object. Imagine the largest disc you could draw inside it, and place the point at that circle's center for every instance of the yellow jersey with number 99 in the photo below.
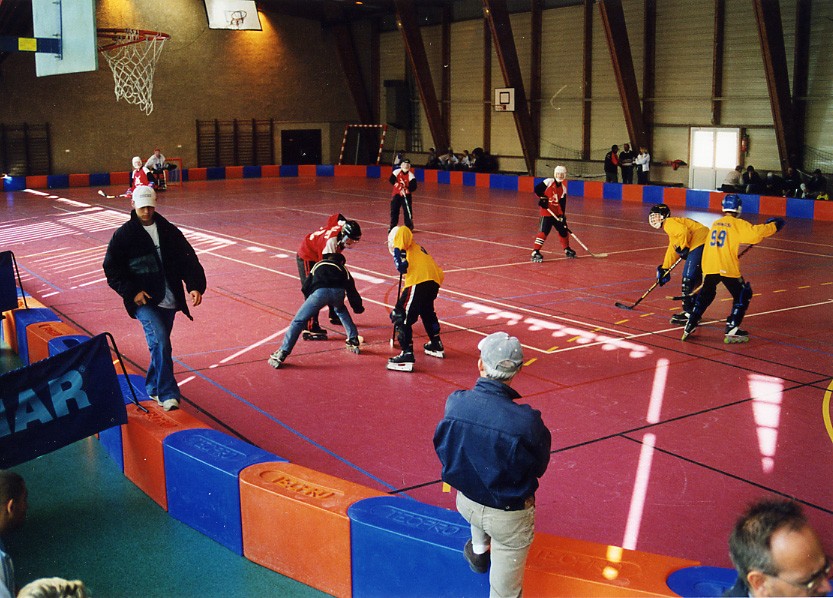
(720, 254)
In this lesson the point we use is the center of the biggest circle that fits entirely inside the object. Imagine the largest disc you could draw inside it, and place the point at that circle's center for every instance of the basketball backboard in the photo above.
(232, 14)
(73, 22)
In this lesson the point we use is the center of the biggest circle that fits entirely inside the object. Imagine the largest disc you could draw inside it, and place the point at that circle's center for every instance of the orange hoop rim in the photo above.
(125, 37)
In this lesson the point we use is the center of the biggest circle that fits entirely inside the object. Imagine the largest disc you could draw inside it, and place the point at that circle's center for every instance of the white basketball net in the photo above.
(133, 62)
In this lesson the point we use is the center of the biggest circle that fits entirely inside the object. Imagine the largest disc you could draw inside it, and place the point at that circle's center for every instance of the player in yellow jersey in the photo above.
(685, 240)
(720, 264)
(422, 280)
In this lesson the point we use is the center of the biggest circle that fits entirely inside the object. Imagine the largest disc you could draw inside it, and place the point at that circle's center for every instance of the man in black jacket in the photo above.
(147, 262)
(493, 450)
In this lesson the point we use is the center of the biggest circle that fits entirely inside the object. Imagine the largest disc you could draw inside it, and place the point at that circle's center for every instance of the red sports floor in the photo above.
(657, 444)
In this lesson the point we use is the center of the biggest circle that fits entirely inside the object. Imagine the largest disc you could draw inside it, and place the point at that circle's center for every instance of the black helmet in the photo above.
(350, 230)
(657, 214)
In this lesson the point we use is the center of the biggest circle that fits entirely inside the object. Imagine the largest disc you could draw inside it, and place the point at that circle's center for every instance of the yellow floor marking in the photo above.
(620, 322)
(806, 286)
(826, 283)
(551, 349)
(531, 361)
(575, 338)
(646, 315)
(826, 409)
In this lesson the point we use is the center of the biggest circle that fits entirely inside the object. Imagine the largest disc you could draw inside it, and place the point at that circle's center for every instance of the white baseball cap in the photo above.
(144, 196)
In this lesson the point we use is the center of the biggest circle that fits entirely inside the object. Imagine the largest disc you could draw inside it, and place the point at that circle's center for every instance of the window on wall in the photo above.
(235, 142)
(25, 149)
(714, 152)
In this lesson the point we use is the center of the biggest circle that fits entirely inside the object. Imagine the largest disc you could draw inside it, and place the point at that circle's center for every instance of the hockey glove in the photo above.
(399, 260)
(543, 202)
(779, 223)
(663, 275)
(682, 252)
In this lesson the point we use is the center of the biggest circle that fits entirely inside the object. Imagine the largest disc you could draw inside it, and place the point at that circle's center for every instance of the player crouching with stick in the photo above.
(327, 284)
(422, 280)
(552, 198)
(685, 240)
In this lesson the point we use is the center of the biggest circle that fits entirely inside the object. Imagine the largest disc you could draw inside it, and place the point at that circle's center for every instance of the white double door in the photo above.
(714, 152)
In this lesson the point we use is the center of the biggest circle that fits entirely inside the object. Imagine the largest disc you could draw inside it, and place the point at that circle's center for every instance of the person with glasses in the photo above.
(777, 553)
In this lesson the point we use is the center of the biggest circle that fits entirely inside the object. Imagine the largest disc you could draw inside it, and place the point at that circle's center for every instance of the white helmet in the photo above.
(137, 162)
(405, 165)
(560, 173)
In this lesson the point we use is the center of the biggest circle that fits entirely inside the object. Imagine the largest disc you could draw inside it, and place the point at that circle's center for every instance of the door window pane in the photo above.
(703, 149)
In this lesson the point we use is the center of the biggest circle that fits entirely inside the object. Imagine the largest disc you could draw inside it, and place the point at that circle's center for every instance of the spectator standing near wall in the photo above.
(612, 165)
(643, 166)
(626, 157)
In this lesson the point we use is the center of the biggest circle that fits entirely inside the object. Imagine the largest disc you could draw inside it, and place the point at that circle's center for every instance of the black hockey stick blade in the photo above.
(621, 305)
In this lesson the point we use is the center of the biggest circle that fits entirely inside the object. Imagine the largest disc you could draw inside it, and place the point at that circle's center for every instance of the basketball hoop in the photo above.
(132, 56)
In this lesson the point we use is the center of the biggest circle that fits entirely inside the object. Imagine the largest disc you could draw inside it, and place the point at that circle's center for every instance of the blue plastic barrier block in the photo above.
(289, 170)
(215, 173)
(444, 177)
(24, 317)
(374, 172)
(611, 191)
(653, 194)
(325, 170)
(110, 438)
(503, 181)
(575, 188)
(702, 581)
(697, 199)
(419, 173)
(100, 179)
(57, 181)
(800, 208)
(15, 183)
(403, 547)
(469, 179)
(202, 469)
(59, 344)
(251, 172)
(751, 203)
(184, 175)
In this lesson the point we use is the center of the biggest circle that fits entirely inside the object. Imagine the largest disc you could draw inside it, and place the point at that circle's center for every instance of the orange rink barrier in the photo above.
(142, 439)
(565, 567)
(40, 333)
(295, 523)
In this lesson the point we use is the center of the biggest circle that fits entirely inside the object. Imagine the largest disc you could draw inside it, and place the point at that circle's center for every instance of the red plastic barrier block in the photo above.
(120, 178)
(270, 170)
(430, 175)
(142, 439)
(197, 174)
(594, 189)
(295, 523)
(455, 177)
(675, 196)
(307, 170)
(39, 334)
(37, 182)
(716, 201)
(526, 184)
(79, 180)
(632, 193)
(566, 567)
(350, 170)
(234, 172)
(823, 210)
(482, 179)
(772, 206)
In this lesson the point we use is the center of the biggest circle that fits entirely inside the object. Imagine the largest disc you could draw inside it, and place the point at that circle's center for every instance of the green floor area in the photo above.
(87, 521)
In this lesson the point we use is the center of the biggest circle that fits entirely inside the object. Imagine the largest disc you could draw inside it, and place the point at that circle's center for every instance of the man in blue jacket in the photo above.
(147, 262)
(493, 451)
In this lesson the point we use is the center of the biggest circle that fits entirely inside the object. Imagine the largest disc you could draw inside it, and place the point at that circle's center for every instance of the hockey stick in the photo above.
(572, 234)
(398, 292)
(621, 305)
(697, 290)
(407, 207)
(103, 194)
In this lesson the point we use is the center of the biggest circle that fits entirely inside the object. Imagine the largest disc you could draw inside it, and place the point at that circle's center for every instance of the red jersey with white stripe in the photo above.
(556, 194)
(324, 240)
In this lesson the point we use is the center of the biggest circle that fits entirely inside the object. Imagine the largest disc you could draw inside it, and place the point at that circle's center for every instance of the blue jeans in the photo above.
(158, 323)
(333, 297)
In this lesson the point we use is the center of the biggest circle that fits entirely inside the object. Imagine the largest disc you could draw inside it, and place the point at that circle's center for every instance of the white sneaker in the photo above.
(169, 404)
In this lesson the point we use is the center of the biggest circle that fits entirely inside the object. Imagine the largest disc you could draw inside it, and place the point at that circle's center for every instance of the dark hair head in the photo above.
(11, 486)
(749, 543)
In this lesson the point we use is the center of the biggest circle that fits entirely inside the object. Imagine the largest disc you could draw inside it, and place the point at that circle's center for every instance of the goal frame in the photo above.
(347, 127)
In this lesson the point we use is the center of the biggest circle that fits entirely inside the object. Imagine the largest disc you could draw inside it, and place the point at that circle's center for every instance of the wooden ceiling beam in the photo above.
(408, 24)
(771, 34)
(497, 15)
(613, 21)
(351, 66)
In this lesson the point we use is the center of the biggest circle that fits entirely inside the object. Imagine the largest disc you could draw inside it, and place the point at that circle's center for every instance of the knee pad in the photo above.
(397, 316)
(741, 305)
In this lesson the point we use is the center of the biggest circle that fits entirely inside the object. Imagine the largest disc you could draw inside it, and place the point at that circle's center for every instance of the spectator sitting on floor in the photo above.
(449, 160)
(731, 183)
(433, 161)
(792, 183)
(466, 162)
(774, 184)
(751, 182)
(816, 187)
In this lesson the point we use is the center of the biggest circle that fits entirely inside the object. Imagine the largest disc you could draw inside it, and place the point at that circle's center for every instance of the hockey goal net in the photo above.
(362, 144)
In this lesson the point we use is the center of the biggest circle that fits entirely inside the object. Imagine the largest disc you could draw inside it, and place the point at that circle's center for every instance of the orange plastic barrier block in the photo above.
(675, 196)
(429, 175)
(307, 170)
(823, 210)
(632, 193)
(79, 180)
(526, 184)
(120, 178)
(197, 174)
(37, 182)
(455, 177)
(772, 206)
(565, 567)
(482, 179)
(234, 172)
(295, 522)
(270, 170)
(716, 200)
(594, 189)
(350, 170)
(142, 439)
(39, 334)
